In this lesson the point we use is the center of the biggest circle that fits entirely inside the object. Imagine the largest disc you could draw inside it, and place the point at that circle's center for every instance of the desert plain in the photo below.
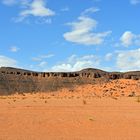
(109, 111)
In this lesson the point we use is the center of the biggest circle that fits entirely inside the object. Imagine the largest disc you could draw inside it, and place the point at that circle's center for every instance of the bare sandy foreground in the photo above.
(69, 116)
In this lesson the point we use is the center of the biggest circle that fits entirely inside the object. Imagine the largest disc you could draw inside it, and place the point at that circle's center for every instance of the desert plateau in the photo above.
(106, 109)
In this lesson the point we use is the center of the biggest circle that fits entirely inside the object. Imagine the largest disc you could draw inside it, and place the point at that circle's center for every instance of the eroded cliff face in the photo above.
(23, 81)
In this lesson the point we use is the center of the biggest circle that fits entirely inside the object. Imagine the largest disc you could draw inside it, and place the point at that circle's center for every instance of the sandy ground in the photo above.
(70, 116)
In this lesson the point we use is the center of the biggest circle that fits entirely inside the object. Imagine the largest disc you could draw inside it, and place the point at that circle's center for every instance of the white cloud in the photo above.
(47, 56)
(43, 64)
(22, 3)
(75, 63)
(108, 56)
(9, 2)
(81, 32)
(129, 60)
(65, 9)
(14, 49)
(37, 8)
(43, 20)
(134, 2)
(90, 10)
(41, 57)
(36, 59)
(128, 39)
(7, 62)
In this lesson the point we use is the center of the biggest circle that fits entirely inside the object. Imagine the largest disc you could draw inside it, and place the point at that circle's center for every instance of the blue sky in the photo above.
(51, 35)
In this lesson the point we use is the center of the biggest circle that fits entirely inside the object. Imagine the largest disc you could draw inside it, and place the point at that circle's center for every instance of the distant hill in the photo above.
(13, 80)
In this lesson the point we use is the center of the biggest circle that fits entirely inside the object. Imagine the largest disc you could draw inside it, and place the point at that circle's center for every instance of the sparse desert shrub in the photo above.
(91, 118)
(115, 98)
(71, 97)
(84, 102)
(33, 92)
(138, 99)
(42, 97)
(14, 100)
(71, 90)
(2, 97)
(22, 94)
(48, 97)
(24, 98)
(132, 94)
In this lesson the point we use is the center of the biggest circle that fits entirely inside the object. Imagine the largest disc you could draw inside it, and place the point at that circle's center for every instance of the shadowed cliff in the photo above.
(13, 80)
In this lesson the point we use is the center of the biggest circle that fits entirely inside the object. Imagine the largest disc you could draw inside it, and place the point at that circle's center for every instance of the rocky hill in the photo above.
(13, 80)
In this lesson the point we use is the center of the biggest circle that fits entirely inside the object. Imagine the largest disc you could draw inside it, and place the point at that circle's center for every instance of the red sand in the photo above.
(79, 114)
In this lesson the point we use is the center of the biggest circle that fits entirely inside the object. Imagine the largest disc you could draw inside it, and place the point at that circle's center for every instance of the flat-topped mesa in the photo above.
(89, 73)
(59, 74)
(13, 80)
(93, 73)
(135, 75)
(86, 73)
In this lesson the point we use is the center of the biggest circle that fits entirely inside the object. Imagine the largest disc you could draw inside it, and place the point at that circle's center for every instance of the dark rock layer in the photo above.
(14, 80)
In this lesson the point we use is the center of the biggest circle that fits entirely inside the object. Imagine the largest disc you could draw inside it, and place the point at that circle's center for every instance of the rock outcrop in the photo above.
(14, 80)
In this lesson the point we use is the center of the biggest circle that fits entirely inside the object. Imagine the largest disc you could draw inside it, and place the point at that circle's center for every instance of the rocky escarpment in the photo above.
(14, 80)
